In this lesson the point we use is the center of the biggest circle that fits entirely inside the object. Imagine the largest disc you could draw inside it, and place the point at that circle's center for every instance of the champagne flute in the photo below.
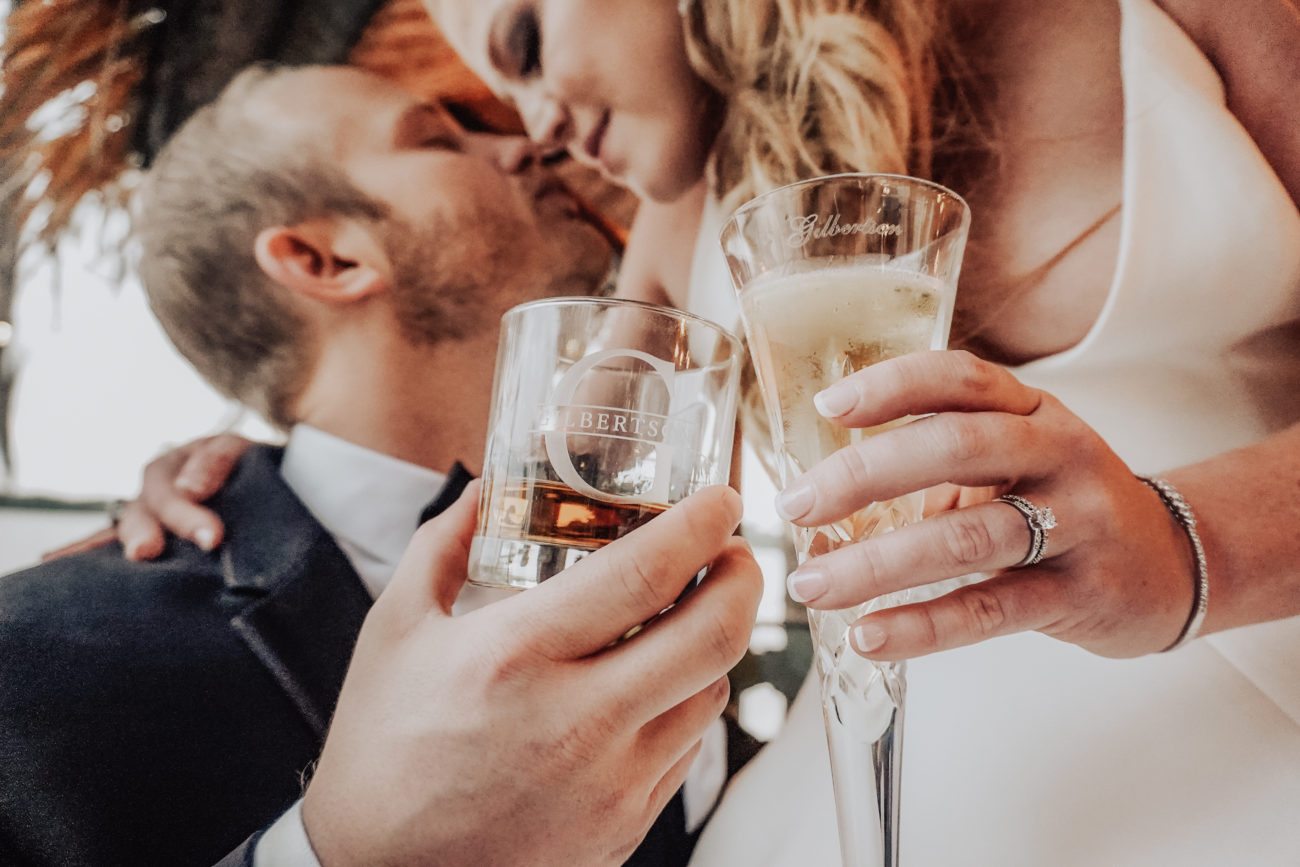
(835, 274)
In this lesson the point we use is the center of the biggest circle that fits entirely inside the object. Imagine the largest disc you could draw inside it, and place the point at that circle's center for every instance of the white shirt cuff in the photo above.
(705, 779)
(285, 843)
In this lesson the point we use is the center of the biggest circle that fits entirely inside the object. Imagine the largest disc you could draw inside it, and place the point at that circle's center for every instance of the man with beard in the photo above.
(337, 255)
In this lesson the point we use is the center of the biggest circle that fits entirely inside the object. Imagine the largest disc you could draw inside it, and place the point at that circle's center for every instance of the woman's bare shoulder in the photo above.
(1265, 32)
(1255, 46)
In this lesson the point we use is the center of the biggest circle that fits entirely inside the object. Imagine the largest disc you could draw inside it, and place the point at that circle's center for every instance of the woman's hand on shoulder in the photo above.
(174, 485)
(171, 492)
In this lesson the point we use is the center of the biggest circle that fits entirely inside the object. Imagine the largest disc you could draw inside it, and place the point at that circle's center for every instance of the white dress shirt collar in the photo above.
(369, 502)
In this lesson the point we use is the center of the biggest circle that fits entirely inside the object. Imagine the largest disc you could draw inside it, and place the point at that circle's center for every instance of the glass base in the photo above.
(495, 562)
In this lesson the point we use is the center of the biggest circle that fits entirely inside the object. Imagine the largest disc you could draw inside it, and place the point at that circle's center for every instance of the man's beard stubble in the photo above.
(448, 290)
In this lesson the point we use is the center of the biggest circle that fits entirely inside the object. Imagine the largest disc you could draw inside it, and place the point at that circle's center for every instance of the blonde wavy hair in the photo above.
(819, 86)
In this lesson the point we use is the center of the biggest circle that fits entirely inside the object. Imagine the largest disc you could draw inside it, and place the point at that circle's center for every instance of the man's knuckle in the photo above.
(502, 663)
(726, 640)
(576, 744)
(638, 578)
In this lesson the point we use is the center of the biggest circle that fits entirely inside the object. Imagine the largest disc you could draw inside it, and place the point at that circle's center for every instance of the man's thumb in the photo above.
(435, 565)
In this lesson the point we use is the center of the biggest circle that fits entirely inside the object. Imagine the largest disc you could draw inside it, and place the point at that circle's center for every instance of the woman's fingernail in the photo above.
(191, 484)
(795, 501)
(805, 585)
(835, 401)
(205, 538)
(868, 637)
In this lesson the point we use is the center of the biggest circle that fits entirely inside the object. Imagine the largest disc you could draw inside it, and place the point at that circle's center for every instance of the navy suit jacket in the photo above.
(160, 713)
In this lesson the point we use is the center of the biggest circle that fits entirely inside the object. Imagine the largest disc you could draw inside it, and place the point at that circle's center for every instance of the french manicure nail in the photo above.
(205, 538)
(805, 585)
(868, 637)
(795, 501)
(835, 401)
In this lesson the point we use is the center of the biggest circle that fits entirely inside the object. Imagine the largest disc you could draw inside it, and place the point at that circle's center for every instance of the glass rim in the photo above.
(607, 301)
(911, 180)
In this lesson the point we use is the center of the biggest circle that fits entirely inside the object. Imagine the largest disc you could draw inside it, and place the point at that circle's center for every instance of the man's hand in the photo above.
(522, 733)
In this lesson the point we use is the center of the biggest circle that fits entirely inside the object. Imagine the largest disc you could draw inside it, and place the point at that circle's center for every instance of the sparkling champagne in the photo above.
(811, 329)
(534, 529)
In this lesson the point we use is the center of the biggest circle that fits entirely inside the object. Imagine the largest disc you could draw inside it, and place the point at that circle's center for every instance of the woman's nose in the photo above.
(547, 121)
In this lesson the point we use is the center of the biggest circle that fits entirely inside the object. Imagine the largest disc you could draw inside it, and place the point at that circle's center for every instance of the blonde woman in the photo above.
(1021, 106)
(1130, 305)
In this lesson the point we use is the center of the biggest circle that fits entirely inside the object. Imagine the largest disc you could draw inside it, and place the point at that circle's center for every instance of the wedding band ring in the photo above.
(1039, 521)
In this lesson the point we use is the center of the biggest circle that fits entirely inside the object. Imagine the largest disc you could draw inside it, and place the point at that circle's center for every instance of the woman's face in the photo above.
(606, 79)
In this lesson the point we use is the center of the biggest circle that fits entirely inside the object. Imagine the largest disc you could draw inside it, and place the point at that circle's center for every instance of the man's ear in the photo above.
(327, 259)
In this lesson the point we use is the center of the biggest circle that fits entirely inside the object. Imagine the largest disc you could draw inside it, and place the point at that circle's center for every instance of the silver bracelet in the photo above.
(1182, 513)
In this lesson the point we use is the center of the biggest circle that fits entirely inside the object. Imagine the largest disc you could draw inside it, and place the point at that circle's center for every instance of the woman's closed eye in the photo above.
(516, 48)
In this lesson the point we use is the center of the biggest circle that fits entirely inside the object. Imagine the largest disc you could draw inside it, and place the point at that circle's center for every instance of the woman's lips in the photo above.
(596, 138)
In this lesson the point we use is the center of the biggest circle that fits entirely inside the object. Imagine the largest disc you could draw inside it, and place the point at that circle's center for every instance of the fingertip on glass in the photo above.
(795, 501)
(806, 585)
(867, 637)
(835, 401)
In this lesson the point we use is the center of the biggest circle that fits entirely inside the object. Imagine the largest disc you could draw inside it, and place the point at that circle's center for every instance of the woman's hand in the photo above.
(1117, 577)
(174, 484)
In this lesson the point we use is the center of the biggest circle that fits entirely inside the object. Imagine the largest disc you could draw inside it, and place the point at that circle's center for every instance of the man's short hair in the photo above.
(221, 179)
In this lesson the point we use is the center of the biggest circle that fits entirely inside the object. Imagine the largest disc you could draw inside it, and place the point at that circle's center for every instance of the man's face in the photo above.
(472, 233)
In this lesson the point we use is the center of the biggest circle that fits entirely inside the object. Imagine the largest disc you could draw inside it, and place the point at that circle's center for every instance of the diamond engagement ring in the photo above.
(1039, 521)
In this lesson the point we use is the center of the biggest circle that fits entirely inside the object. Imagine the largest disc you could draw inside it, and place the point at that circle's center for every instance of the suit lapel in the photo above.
(301, 604)
(303, 632)
(297, 602)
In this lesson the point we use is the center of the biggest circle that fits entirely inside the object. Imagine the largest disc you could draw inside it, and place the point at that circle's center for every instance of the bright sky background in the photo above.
(100, 390)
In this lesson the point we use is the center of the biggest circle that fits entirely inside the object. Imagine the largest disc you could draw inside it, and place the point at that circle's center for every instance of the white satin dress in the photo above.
(1028, 751)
